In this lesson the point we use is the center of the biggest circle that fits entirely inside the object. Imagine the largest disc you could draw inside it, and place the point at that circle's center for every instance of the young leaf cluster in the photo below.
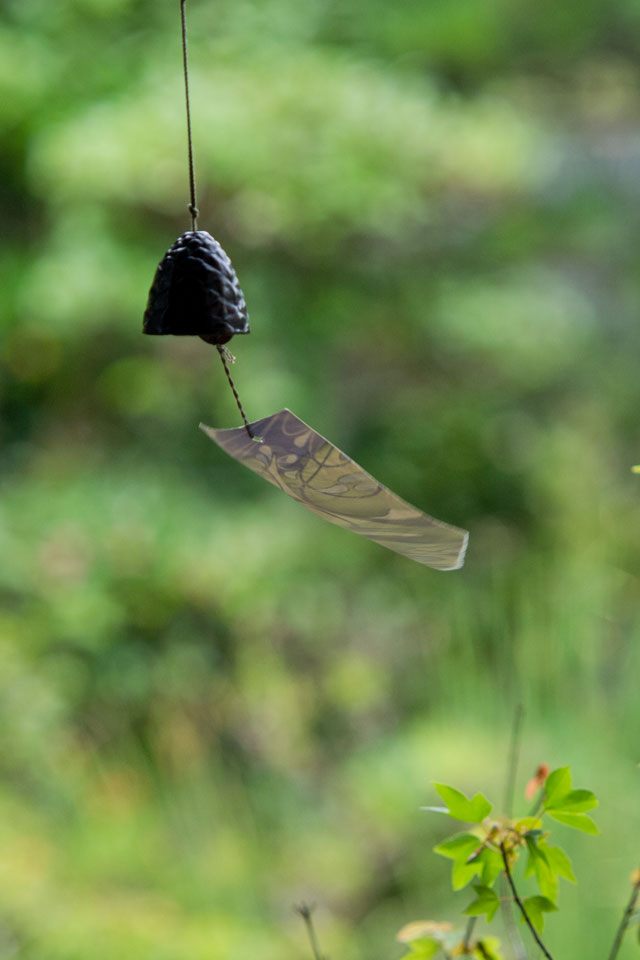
(489, 848)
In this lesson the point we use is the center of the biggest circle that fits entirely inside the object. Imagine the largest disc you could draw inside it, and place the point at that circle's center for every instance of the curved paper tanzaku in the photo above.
(318, 475)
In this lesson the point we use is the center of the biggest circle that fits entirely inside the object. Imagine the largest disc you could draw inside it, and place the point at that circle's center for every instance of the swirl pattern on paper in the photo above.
(313, 471)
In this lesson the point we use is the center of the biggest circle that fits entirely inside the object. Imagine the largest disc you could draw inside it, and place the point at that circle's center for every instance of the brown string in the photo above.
(193, 206)
(221, 351)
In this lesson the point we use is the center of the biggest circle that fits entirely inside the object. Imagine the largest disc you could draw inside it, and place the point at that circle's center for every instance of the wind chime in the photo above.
(196, 292)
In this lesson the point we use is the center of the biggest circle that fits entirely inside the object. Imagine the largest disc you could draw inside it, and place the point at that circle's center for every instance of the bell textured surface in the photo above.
(195, 292)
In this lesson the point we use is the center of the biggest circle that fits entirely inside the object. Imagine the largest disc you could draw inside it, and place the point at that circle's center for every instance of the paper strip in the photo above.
(311, 470)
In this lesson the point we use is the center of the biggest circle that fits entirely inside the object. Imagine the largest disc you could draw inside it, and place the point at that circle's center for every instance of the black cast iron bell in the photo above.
(195, 292)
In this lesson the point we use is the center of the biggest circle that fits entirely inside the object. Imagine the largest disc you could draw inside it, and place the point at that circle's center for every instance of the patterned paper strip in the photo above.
(313, 471)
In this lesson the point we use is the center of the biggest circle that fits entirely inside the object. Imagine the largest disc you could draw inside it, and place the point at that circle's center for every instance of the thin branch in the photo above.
(483, 950)
(511, 928)
(506, 907)
(306, 910)
(520, 904)
(538, 803)
(626, 917)
(514, 757)
(468, 933)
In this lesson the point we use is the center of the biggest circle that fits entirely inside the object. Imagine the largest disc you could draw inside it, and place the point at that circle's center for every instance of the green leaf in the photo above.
(542, 903)
(491, 947)
(460, 807)
(429, 929)
(459, 847)
(530, 868)
(463, 873)
(481, 808)
(534, 847)
(536, 907)
(423, 949)
(575, 801)
(486, 902)
(537, 863)
(559, 862)
(535, 854)
(579, 821)
(528, 824)
(492, 866)
(557, 785)
(453, 798)
(483, 891)
(547, 881)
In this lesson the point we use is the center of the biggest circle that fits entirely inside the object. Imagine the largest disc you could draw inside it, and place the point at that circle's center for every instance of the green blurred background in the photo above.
(212, 704)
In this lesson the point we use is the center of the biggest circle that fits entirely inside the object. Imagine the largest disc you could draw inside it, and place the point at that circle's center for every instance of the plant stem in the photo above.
(506, 907)
(520, 904)
(513, 934)
(626, 917)
(305, 911)
(514, 756)
(538, 803)
(468, 933)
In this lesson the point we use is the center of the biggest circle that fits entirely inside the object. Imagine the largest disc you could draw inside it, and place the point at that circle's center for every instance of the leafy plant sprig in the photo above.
(489, 849)
(484, 856)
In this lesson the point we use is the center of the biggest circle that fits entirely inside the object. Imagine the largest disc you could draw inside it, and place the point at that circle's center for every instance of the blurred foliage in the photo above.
(214, 705)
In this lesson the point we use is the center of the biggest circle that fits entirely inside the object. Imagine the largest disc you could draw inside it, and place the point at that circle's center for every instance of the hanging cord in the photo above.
(224, 353)
(193, 207)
